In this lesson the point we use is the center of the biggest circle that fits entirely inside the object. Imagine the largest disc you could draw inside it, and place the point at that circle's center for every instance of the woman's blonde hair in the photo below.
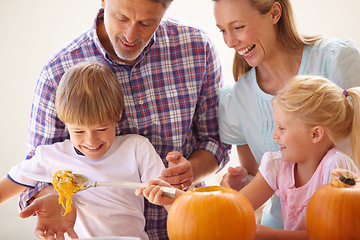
(88, 94)
(317, 101)
(287, 32)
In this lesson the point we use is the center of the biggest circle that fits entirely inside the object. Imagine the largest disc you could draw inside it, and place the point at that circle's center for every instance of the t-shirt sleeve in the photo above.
(229, 120)
(29, 172)
(338, 160)
(149, 162)
(269, 168)
(344, 62)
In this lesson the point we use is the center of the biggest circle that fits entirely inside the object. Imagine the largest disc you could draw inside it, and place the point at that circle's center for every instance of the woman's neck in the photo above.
(274, 72)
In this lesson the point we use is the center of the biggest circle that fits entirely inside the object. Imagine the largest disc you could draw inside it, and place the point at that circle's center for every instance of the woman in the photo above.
(269, 51)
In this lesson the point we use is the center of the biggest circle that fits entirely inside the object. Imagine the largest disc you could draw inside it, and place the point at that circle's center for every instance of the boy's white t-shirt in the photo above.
(101, 211)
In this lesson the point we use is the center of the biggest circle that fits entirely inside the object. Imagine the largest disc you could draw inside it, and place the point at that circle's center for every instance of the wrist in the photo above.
(48, 189)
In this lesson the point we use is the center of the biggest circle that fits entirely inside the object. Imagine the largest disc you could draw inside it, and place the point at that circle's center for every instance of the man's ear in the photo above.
(318, 133)
(276, 12)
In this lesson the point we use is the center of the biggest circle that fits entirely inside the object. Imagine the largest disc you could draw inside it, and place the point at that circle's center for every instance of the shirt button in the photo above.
(145, 132)
(141, 102)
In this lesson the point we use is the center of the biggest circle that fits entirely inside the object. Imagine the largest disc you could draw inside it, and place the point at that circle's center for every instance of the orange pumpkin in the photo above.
(333, 211)
(211, 213)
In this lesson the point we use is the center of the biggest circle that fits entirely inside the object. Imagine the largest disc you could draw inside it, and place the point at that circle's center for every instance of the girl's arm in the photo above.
(265, 233)
(9, 189)
(257, 191)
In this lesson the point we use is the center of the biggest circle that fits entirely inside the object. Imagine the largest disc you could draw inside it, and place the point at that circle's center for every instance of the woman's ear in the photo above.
(276, 12)
(318, 133)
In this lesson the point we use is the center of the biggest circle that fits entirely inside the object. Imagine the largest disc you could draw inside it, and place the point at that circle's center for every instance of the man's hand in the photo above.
(236, 178)
(179, 172)
(51, 224)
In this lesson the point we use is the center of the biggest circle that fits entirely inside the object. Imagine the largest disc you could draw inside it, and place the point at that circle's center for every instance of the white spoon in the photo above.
(84, 182)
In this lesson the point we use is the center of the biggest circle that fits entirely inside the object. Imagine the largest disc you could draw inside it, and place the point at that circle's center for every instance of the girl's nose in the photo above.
(274, 135)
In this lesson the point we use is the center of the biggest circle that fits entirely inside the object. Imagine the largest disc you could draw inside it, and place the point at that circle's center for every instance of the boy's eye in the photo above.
(78, 132)
(101, 129)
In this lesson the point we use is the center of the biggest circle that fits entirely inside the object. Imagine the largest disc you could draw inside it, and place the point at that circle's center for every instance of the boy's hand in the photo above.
(51, 224)
(154, 193)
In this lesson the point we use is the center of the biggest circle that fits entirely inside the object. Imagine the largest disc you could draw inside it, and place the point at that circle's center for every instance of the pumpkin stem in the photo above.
(347, 178)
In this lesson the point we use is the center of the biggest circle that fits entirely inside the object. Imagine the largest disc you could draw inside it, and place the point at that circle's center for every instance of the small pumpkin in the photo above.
(211, 213)
(333, 211)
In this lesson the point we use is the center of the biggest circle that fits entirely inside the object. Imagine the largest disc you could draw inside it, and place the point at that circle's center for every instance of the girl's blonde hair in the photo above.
(88, 94)
(317, 101)
(287, 32)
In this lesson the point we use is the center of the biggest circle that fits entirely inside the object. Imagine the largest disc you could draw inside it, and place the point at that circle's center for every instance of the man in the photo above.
(170, 76)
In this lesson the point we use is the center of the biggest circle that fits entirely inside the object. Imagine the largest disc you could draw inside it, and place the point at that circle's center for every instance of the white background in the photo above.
(32, 30)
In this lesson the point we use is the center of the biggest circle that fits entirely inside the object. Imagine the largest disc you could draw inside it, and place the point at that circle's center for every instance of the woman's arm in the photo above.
(247, 160)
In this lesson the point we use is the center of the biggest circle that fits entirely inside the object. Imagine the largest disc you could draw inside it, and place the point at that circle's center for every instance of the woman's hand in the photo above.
(51, 223)
(236, 178)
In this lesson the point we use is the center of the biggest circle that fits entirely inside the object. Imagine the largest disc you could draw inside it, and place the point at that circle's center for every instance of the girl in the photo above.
(312, 115)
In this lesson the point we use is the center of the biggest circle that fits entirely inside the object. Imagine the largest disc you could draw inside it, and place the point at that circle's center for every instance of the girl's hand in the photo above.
(236, 178)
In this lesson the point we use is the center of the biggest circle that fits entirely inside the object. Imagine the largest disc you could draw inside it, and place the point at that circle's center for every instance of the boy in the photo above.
(89, 101)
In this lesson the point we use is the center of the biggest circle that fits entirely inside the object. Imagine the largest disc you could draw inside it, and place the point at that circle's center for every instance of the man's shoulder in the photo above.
(81, 46)
(80, 49)
(177, 29)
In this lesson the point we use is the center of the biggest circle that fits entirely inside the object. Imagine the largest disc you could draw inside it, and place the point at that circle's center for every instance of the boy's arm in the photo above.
(9, 189)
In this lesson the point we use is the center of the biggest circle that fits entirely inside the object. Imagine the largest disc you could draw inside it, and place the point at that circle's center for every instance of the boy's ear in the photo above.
(318, 134)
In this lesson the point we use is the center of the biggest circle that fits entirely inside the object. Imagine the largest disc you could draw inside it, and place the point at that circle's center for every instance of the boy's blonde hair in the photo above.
(317, 101)
(88, 94)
